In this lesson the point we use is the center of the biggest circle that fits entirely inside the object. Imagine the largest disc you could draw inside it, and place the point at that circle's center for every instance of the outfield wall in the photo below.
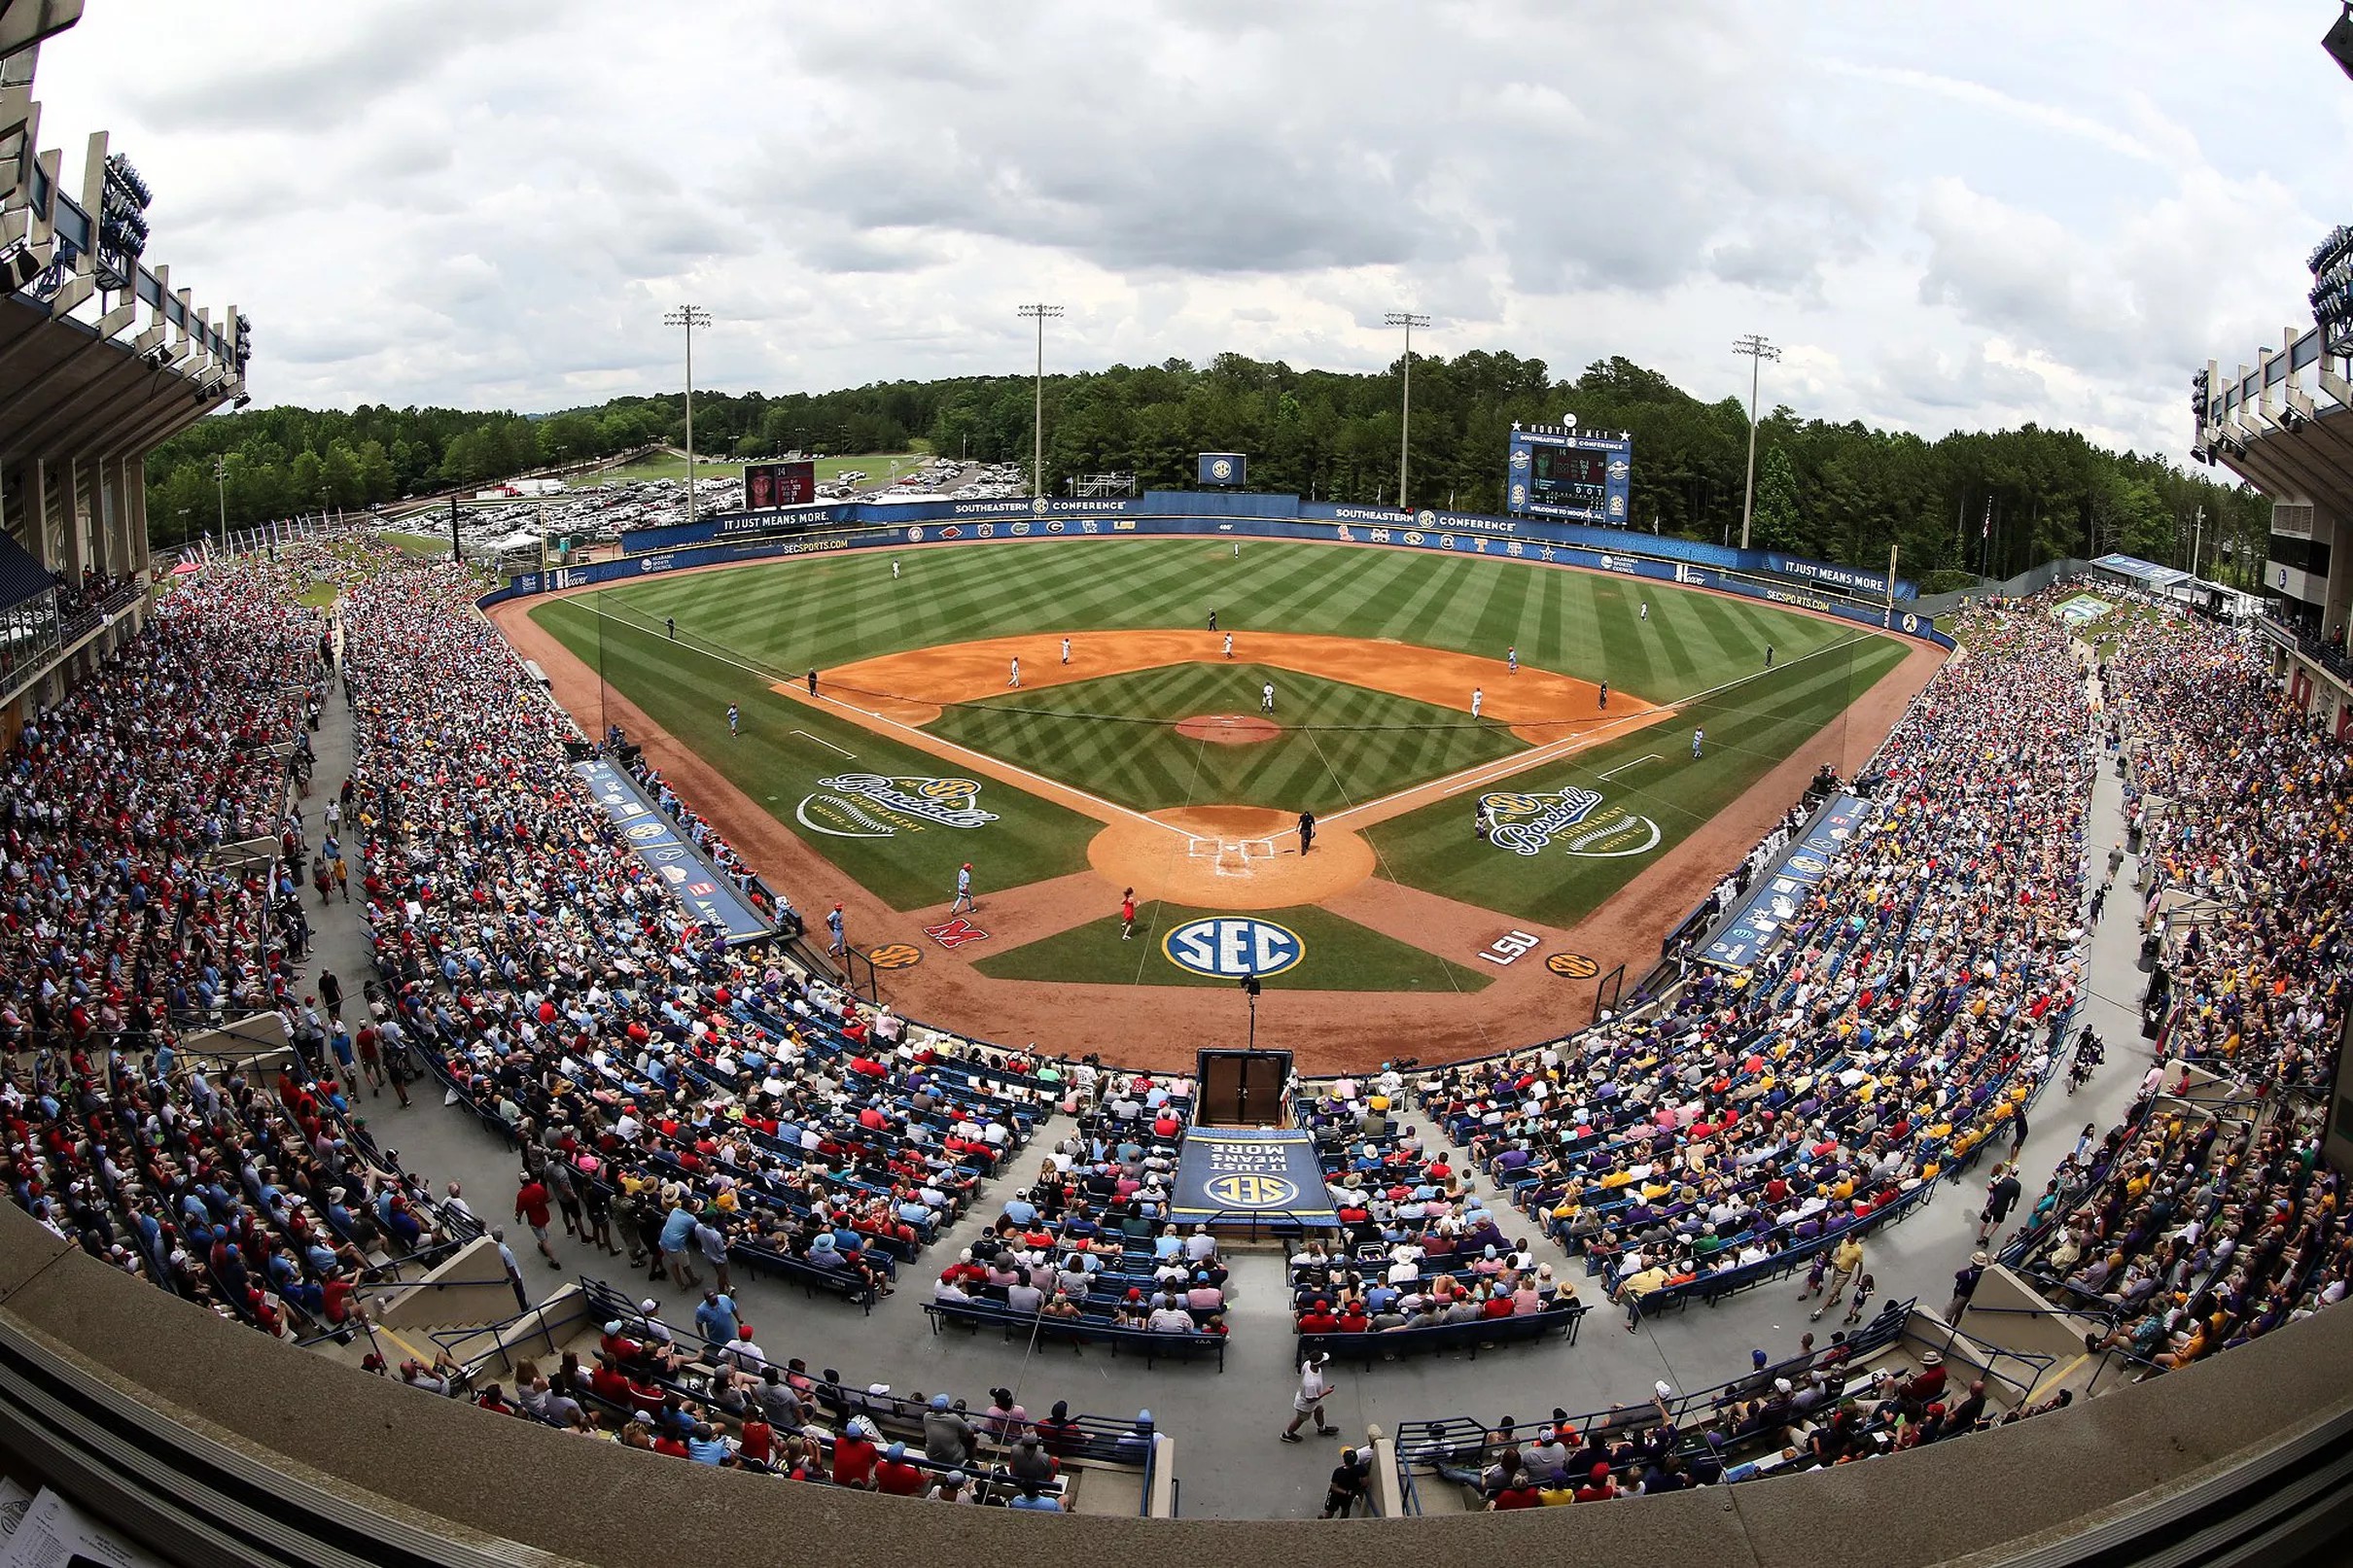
(1219, 508)
(1001, 522)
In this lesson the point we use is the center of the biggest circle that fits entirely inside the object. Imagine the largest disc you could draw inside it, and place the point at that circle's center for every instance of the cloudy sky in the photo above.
(1951, 216)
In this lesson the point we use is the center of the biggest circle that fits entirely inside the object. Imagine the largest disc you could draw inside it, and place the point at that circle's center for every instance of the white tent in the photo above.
(523, 538)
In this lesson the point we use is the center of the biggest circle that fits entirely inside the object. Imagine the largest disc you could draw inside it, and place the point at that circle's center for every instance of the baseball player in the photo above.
(1266, 698)
(1511, 659)
(895, 569)
(1645, 615)
(1605, 696)
(1127, 914)
(1697, 735)
(1229, 645)
(1016, 679)
(834, 924)
(734, 716)
(1066, 650)
(964, 890)
(1478, 697)
(1769, 655)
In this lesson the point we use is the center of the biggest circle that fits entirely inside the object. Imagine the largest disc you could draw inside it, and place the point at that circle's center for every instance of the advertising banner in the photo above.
(1776, 898)
(707, 893)
(1233, 1174)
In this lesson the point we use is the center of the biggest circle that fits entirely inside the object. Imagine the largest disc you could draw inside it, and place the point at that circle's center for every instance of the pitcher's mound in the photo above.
(1228, 857)
(1228, 729)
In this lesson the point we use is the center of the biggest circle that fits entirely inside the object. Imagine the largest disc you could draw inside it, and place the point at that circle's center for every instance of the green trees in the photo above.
(1842, 492)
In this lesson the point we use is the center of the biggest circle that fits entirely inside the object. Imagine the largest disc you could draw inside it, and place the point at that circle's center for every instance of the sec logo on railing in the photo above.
(1228, 946)
(1248, 1190)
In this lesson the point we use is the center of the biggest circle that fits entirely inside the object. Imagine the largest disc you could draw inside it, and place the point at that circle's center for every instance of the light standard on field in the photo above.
(1758, 351)
(1037, 428)
(1405, 420)
(690, 317)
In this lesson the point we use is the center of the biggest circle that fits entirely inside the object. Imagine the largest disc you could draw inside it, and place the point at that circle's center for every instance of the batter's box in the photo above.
(1232, 856)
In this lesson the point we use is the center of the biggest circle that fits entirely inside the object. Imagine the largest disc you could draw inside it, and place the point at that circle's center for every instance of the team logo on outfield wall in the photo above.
(874, 806)
(1227, 947)
(1580, 819)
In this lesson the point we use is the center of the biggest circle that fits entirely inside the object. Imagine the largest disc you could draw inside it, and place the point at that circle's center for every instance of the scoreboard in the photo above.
(1556, 473)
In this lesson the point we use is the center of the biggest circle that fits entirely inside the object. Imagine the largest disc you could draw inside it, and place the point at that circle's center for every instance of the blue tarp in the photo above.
(1775, 898)
(1230, 1174)
(708, 894)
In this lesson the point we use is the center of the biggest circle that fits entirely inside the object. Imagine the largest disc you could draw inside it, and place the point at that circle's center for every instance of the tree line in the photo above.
(1995, 501)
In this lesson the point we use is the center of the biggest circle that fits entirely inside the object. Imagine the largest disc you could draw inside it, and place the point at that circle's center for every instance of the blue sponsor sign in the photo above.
(1228, 946)
(693, 881)
(1167, 513)
(1776, 898)
(1230, 1172)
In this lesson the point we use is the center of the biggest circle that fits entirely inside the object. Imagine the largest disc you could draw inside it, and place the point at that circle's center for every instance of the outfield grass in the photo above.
(785, 748)
(1114, 736)
(417, 543)
(1339, 955)
(1750, 728)
(826, 611)
(833, 610)
(876, 465)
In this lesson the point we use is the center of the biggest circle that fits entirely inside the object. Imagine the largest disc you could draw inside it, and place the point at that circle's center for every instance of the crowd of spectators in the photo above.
(2204, 1220)
(245, 1182)
(1915, 1006)
(709, 1101)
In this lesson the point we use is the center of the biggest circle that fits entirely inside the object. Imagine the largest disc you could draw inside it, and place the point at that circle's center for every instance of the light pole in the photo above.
(690, 317)
(1038, 426)
(1758, 351)
(219, 480)
(1405, 420)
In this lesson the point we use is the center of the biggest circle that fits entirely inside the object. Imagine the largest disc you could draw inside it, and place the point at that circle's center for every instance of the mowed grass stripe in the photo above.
(1751, 729)
(1114, 737)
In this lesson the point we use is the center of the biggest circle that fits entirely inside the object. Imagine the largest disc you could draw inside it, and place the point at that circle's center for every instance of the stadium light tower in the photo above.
(1037, 423)
(1758, 351)
(219, 482)
(690, 317)
(1405, 408)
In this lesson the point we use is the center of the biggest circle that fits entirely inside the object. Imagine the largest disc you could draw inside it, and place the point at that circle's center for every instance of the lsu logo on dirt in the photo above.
(877, 806)
(1529, 823)
(1228, 946)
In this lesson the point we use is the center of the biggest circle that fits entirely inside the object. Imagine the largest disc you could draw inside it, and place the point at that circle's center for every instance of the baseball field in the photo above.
(1498, 759)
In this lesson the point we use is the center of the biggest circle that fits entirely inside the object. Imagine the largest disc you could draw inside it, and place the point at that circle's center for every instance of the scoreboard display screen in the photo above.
(1573, 475)
(1565, 473)
(769, 485)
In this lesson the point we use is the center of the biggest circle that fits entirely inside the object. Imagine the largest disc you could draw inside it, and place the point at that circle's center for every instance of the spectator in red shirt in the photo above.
(531, 1207)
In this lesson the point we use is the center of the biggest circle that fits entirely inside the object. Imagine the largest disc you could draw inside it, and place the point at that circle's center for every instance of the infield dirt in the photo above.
(1327, 1032)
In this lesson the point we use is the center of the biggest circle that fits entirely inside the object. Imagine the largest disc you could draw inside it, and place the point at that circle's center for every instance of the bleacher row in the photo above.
(1916, 1002)
(1749, 1124)
(241, 1182)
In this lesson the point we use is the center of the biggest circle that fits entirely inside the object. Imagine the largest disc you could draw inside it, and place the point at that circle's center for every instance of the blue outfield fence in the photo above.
(874, 525)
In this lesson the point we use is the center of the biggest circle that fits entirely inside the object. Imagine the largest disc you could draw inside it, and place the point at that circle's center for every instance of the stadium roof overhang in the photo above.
(66, 390)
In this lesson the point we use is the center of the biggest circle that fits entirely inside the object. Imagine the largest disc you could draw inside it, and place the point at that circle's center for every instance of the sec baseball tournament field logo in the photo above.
(1228, 946)
(879, 806)
(1222, 468)
(1530, 823)
(1252, 1189)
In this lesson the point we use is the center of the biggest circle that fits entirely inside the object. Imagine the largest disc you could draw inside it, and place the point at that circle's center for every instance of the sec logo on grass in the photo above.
(1227, 947)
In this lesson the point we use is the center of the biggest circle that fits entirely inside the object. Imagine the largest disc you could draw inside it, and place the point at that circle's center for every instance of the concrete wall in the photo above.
(409, 1458)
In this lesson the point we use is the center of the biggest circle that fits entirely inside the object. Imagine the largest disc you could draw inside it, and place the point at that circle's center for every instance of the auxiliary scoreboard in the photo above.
(1557, 472)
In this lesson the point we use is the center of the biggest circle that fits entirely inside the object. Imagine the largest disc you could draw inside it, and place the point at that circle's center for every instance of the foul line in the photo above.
(1558, 751)
(820, 740)
(1647, 756)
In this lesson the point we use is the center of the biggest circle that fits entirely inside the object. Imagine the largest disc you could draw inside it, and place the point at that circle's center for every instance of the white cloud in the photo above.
(1948, 218)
